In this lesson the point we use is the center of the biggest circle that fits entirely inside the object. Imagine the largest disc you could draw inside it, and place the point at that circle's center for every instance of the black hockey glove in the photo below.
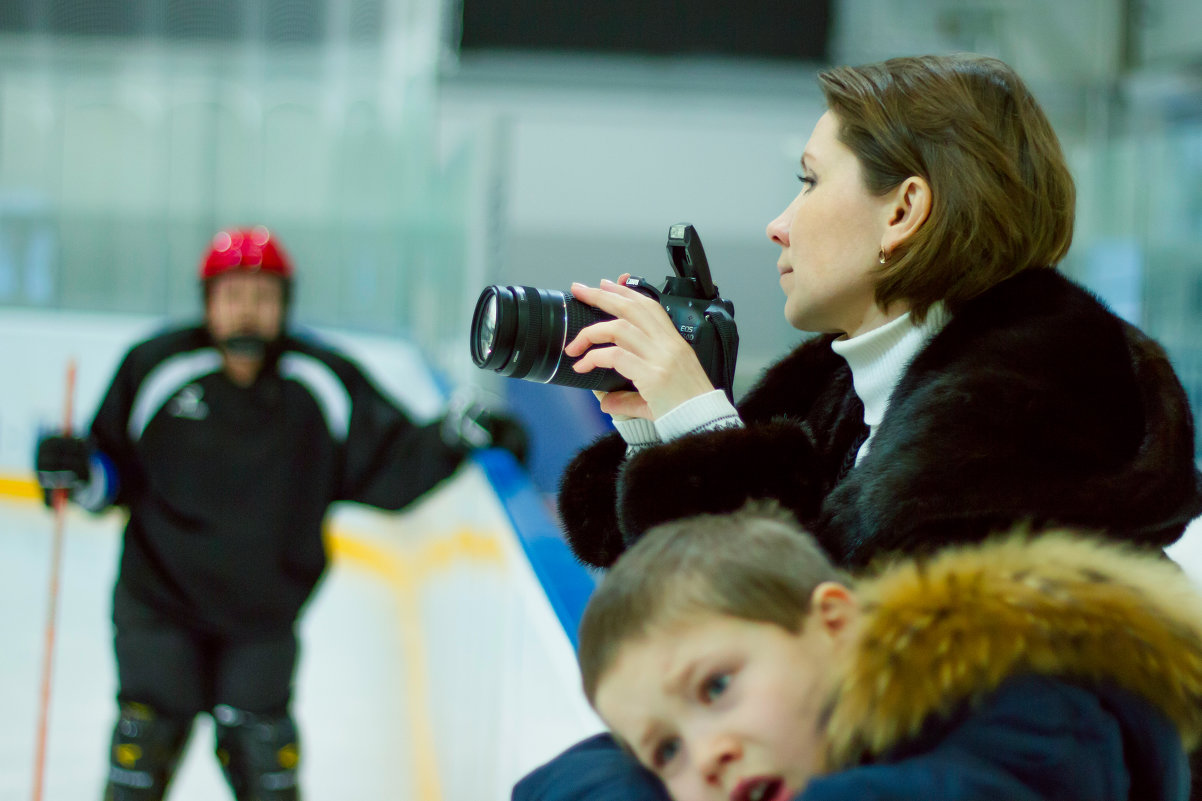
(62, 462)
(508, 433)
(470, 424)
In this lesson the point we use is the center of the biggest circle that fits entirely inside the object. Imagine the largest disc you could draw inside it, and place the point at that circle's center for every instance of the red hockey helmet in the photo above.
(250, 249)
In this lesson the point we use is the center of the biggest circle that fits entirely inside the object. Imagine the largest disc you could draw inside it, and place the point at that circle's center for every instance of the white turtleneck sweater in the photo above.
(877, 360)
(879, 357)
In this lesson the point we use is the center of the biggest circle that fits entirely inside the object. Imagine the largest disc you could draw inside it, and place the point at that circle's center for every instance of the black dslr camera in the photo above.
(521, 331)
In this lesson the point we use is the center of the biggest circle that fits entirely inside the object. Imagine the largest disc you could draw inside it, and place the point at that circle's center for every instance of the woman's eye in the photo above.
(806, 181)
(664, 753)
(714, 686)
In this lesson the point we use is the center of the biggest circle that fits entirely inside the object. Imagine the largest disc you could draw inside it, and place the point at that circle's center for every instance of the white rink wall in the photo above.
(434, 663)
(35, 347)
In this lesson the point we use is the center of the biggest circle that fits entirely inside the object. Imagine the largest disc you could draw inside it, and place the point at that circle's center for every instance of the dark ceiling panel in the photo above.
(769, 29)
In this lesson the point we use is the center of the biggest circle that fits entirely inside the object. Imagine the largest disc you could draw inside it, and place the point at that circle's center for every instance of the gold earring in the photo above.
(883, 258)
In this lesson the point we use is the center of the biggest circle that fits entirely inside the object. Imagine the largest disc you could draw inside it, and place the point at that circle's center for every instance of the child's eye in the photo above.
(664, 752)
(714, 686)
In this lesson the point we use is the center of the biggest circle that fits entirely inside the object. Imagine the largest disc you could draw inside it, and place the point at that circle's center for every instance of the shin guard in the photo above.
(145, 753)
(259, 754)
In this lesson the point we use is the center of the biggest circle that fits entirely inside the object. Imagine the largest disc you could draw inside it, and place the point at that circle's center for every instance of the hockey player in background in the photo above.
(227, 442)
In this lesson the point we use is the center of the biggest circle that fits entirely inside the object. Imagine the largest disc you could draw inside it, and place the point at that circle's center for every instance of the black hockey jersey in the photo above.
(228, 487)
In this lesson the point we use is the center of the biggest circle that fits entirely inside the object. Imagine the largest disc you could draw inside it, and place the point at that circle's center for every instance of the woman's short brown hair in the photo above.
(1002, 195)
(755, 564)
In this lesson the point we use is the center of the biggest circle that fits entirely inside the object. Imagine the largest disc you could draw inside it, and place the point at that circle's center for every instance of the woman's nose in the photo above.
(778, 229)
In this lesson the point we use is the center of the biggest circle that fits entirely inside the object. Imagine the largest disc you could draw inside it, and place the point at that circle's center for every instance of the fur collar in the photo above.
(945, 631)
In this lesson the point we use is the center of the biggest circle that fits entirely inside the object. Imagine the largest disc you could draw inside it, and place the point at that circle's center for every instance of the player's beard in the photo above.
(247, 346)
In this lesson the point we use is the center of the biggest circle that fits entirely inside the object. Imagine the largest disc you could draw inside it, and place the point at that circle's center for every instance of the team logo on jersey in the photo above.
(189, 404)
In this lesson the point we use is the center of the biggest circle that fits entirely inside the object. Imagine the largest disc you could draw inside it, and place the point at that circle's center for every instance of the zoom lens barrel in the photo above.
(521, 331)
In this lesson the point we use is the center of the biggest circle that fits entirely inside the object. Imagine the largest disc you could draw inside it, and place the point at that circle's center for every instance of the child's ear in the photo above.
(834, 606)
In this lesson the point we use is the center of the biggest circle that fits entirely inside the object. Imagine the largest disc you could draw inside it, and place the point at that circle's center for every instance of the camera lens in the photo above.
(521, 331)
(487, 334)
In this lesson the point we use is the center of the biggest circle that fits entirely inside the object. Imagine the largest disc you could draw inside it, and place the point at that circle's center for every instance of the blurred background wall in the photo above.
(131, 130)
(409, 152)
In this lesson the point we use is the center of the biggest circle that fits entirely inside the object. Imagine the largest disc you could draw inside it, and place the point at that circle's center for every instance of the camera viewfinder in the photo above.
(688, 258)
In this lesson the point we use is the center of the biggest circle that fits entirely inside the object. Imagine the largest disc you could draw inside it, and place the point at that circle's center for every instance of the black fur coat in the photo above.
(1034, 404)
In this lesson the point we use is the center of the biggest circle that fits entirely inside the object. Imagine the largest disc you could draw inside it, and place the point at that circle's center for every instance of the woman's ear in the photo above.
(908, 208)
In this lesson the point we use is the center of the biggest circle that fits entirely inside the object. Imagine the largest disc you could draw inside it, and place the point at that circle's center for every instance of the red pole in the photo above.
(59, 497)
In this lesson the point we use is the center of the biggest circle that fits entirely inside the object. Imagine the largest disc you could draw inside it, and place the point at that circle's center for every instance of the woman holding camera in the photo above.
(958, 384)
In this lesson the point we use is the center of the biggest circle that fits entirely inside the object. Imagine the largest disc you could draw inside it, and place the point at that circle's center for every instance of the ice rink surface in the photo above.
(353, 695)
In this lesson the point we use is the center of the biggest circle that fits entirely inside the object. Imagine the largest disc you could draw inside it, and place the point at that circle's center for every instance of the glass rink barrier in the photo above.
(437, 655)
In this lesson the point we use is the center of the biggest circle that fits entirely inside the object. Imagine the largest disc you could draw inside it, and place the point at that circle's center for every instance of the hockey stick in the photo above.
(59, 497)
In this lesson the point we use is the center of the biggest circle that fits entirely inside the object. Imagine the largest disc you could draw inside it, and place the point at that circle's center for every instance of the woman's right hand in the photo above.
(644, 347)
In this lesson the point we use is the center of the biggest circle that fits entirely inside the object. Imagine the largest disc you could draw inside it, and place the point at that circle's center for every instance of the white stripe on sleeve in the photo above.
(326, 388)
(167, 379)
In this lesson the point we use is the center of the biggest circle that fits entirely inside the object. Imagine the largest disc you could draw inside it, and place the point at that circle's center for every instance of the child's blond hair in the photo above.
(755, 564)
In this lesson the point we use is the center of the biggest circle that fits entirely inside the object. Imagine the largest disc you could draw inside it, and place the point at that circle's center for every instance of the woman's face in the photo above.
(830, 237)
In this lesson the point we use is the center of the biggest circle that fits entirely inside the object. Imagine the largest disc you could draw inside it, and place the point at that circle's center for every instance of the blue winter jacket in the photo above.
(1035, 739)
(1053, 668)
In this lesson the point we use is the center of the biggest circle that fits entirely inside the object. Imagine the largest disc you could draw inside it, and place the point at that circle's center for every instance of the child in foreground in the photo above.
(729, 656)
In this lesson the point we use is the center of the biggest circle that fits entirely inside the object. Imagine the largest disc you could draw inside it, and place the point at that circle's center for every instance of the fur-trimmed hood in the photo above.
(943, 632)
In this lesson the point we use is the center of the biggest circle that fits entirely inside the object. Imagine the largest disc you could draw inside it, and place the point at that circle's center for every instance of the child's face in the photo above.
(724, 708)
